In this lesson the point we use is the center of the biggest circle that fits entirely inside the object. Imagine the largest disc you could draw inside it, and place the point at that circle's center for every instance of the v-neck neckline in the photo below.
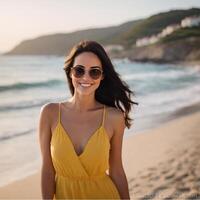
(87, 143)
(90, 138)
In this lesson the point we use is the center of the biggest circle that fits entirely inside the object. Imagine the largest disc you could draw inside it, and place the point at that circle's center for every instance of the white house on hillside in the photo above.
(114, 47)
(186, 22)
(190, 21)
(169, 29)
(146, 41)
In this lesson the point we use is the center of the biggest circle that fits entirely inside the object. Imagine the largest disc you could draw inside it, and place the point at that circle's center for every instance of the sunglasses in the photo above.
(78, 71)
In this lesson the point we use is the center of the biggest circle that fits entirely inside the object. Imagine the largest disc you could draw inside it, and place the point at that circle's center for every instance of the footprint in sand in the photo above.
(131, 180)
(170, 176)
(154, 178)
(144, 176)
(164, 171)
(193, 196)
(155, 192)
(152, 168)
(181, 176)
(170, 161)
(183, 189)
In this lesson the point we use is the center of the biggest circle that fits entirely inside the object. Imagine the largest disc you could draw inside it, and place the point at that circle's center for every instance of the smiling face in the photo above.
(86, 85)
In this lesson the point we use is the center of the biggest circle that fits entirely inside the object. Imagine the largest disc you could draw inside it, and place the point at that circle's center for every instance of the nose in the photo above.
(86, 75)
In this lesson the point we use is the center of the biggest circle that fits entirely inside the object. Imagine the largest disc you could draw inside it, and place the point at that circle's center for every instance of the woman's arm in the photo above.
(47, 171)
(116, 171)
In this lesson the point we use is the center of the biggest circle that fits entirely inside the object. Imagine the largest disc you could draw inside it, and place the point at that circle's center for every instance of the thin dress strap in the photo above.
(104, 113)
(59, 113)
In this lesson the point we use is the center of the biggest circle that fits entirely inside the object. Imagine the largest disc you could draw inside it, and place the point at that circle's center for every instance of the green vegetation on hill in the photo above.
(156, 23)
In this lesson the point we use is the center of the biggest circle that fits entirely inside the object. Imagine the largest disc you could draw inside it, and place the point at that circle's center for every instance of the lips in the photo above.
(85, 84)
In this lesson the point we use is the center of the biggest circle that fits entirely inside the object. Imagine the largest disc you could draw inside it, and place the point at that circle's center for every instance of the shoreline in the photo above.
(184, 63)
(181, 112)
(146, 156)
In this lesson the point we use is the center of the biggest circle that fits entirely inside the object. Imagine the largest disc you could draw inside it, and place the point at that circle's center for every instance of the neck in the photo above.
(83, 103)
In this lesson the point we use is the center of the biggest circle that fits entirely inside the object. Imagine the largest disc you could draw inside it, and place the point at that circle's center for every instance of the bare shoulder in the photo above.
(49, 109)
(116, 118)
(48, 112)
(115, 114)
(45, 136)
(47, 119)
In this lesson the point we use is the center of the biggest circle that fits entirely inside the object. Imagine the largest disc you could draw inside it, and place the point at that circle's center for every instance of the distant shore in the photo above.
(192, 63)
(185, 52)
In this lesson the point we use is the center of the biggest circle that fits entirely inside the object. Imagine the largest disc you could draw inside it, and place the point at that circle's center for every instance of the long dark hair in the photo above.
(112, 91)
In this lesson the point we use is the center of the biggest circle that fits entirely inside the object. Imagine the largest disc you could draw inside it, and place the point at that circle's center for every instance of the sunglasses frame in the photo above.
(83, 68)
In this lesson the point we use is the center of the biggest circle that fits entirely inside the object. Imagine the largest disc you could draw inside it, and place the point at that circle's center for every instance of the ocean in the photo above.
(28, 82)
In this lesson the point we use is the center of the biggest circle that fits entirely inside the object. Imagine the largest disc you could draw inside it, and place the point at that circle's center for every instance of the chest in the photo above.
(80, 130)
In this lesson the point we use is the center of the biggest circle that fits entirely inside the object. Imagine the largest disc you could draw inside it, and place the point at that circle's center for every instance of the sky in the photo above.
(28, 19)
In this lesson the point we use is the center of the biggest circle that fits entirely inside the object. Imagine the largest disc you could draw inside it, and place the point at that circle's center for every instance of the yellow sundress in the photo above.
(82, 176)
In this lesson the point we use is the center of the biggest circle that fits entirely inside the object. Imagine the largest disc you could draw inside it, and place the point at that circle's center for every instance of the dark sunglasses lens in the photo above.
(95, 73)
(78, 71)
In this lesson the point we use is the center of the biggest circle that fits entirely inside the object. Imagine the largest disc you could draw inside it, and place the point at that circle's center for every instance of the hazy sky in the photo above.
(25, 19)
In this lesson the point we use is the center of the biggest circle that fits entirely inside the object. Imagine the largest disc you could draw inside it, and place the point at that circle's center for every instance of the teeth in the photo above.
(85, 84)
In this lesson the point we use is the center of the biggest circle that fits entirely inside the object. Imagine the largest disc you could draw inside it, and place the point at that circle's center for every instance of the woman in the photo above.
(81, 139)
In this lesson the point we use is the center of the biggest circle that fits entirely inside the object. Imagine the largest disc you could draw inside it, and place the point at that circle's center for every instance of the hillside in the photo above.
(154, 24)
(59, 44)
(124, 34)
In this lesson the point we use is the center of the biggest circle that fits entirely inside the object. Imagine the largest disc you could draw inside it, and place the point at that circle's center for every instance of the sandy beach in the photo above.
(161, 163)
(164, 163)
